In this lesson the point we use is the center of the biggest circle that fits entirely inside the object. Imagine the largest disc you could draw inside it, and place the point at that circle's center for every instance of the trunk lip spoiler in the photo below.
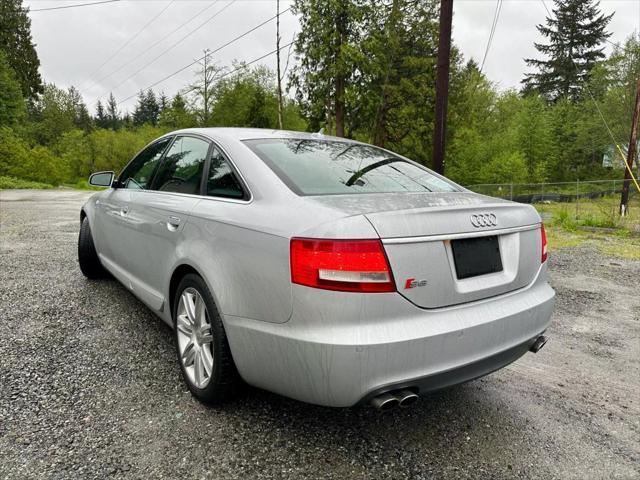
(455, 236)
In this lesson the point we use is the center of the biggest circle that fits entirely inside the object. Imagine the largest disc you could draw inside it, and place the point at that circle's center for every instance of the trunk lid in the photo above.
(423, 235)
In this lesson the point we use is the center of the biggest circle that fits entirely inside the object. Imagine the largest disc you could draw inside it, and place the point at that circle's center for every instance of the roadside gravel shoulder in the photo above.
(90, 388)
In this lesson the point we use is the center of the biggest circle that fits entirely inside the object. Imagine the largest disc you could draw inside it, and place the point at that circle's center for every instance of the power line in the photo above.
(131, 39)
(243, 66)
(171, 47)
(126, 64)
(494, 24)
(72, 6)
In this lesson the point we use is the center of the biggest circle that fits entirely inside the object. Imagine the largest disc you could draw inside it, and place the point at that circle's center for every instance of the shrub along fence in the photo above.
(552, 192)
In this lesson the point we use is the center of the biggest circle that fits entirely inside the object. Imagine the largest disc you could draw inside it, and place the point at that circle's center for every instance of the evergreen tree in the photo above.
(163, 102)
(11, 103)
(399, 75)
(82, 117)
(113, 116)
(152, 107)
(328, 48)
(575, 34)
(147, 109)
(176, 114)
(139, 110)
(16, 41)
(101, 116)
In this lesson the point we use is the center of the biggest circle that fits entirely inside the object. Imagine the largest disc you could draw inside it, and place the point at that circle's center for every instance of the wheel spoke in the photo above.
(189, 305)
(189, 354)
(207, 360)
(205, 334)
(199, 310)
(199, 370)
(184, 325)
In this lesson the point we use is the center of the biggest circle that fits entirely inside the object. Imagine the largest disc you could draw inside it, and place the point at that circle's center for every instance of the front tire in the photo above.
(87, 256)
(203, 352)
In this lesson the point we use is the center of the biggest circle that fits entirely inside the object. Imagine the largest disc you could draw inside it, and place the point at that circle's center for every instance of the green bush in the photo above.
(7, 183)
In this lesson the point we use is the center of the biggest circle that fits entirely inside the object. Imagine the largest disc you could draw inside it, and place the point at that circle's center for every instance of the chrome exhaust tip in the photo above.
(406, 398)
(384, 402)
(540, 342)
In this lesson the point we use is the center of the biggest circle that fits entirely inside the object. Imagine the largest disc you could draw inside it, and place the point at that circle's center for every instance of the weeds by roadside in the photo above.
(596, 222)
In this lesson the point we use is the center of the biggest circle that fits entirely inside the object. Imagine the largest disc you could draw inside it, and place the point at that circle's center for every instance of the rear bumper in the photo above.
(339, 349)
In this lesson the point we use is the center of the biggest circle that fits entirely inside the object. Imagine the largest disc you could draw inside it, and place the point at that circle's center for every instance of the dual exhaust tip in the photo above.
(404, 398)
(391, 400)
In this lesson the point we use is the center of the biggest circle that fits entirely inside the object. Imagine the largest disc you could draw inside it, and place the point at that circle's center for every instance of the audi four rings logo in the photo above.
(484, 220)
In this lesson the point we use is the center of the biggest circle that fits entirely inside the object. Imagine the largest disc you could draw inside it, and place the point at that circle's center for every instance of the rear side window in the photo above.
(329, 167)
(222, 181)
(138, 173)
(181, 169)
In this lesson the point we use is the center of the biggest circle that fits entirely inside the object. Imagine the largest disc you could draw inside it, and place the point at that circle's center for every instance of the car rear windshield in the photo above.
(329, 167)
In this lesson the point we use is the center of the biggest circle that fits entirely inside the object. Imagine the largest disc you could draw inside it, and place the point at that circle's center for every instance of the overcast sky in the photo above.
(73, 43)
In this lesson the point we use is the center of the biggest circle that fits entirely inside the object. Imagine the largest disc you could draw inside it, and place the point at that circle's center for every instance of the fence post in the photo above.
(577, 197)
(511, 192)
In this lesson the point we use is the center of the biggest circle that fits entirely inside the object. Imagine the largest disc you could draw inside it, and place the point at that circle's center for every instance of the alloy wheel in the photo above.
(195, 340)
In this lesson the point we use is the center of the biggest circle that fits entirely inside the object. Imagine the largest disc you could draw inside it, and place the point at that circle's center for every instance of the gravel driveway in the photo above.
(90, 387)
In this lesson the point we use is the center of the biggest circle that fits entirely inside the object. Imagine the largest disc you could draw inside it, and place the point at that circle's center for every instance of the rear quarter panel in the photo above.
(245, 265)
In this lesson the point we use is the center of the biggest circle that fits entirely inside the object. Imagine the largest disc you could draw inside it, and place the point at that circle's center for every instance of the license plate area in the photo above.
(476, 256)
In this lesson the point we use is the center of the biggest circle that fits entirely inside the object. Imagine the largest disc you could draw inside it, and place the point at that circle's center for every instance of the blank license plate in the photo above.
(476, 256)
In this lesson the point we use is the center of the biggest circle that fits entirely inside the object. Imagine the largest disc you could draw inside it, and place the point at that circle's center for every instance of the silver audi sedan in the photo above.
(327, 270)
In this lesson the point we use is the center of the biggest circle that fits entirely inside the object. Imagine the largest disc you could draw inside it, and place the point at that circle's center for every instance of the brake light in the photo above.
(544, 243)
(343, 265)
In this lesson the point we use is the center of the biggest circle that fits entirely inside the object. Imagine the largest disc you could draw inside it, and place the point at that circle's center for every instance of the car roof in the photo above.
(256, 133)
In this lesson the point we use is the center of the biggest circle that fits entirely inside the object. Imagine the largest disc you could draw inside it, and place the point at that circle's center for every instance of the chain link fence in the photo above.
(553, 192)
(594, 201)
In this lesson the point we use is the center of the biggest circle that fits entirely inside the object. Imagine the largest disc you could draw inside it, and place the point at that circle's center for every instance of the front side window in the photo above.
(222, 181)
(181, 169)
(330, 167)
(138, 173)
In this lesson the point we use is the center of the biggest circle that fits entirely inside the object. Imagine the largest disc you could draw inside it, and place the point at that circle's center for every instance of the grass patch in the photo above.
(570, 225)
(7, 183)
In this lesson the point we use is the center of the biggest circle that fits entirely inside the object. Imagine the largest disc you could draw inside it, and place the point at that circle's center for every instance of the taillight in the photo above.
(544, 243)
(344, 265)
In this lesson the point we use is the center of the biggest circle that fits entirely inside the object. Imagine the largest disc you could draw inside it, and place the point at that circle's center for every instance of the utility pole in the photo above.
(442, 85)
(206, 88)
(280, 123)
(631, 155)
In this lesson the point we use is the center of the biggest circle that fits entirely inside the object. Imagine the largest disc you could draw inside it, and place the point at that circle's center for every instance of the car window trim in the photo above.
(234, 171)
(164, 155)
(133, 159)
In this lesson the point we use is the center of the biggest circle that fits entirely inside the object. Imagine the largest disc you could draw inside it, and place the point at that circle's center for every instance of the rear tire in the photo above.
(87, 256)
(202, 348)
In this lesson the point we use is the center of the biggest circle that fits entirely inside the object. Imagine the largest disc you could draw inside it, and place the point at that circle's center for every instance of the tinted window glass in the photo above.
(138, 173)
(326, 167)
(222, 182)
(181, 169)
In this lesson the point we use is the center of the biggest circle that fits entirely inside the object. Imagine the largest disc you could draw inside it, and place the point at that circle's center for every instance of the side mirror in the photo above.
(101, 179)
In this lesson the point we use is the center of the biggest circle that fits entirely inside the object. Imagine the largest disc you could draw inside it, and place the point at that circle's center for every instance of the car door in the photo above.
(157, 215)
(113, 226)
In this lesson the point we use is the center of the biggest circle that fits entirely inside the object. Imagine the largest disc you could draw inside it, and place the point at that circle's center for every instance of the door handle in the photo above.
(124, 210)
(173, 223)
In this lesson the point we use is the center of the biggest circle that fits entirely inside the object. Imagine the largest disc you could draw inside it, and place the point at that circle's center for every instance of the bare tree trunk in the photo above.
(280, 122)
